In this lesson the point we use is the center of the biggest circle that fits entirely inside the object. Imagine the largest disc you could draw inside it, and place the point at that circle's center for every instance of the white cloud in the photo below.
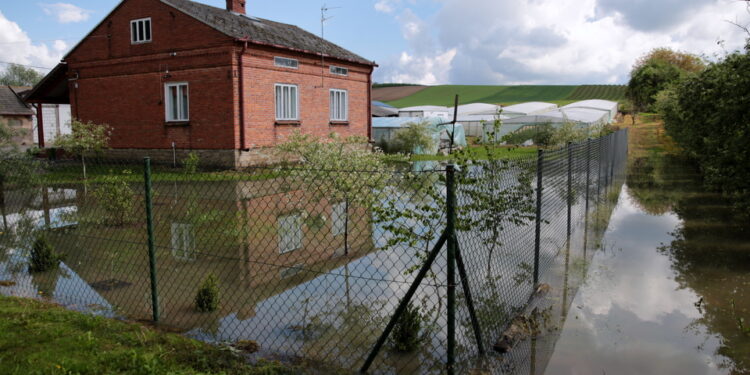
(385, 6)
(16, 47)
(66, 13)
(557, 41)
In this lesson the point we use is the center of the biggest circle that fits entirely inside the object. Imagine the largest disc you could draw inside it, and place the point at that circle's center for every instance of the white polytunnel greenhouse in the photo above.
(425, 111)
(474, 124)
(384, 129)
(582, 117)
(477, 109)
(530, 108)
(597, 104)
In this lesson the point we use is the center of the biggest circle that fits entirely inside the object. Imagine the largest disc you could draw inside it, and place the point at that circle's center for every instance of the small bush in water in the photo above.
(406, 333)
(207, 299)
(191, 162)
(43, 256)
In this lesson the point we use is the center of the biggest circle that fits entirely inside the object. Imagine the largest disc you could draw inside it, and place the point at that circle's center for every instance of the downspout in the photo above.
(369, 105)
(40, 123)
(243, 145)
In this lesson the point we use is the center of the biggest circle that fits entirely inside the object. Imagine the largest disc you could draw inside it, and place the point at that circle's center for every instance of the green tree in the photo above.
(18, 75)
(355, 174)
(709, 117)
(86, 138)
(656, 71)
(415, 136)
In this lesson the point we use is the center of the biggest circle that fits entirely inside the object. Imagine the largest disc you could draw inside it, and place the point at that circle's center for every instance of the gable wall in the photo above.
(122, 84)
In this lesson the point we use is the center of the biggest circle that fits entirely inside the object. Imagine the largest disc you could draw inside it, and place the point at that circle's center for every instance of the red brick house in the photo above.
(218, 81)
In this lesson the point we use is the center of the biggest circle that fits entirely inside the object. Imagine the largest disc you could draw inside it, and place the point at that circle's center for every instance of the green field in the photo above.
(444, 95)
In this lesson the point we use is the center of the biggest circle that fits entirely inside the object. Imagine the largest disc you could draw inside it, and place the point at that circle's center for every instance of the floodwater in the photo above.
(668, 292)
(657, 283)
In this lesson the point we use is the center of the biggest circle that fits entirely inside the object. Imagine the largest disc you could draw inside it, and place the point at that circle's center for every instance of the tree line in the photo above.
(705, 106)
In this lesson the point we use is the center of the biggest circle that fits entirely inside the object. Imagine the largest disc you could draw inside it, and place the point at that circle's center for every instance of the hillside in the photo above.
(443, 95)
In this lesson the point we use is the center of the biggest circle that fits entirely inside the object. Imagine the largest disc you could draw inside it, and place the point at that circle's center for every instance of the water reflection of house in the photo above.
(259, 238)
(43, 207)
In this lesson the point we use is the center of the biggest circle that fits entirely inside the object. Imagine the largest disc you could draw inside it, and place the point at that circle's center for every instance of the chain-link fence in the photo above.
(409, 269)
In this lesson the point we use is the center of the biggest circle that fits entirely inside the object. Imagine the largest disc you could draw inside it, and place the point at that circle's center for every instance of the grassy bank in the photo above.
(41, 338)
(444, 95)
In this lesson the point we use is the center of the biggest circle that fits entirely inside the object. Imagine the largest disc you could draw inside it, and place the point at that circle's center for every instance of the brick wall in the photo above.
(122, 85)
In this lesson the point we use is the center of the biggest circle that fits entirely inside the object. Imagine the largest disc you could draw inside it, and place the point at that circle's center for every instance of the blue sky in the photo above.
(442, 41)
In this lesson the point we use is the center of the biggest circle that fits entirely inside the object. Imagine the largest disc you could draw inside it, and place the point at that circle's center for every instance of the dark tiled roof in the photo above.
(11, 104)
(263, 31)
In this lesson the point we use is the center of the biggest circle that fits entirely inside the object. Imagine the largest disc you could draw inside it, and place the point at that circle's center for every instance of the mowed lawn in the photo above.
(42, 338)
(558, 94)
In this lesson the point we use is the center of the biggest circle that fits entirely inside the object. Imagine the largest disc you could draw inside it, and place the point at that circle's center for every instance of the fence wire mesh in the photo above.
(311, 264)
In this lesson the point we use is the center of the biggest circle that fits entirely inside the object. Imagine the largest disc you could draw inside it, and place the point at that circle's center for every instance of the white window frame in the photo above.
(134, 38)
(168, 104)
(277, 62)
(183, 241)
(282, 112)
(334, 103)
(290, 232)
(338, 218)
(333, 69)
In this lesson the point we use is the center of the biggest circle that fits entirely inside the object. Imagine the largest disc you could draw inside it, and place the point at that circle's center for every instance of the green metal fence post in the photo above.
(569, 197)
(538, 230)
(150, 229)
(588, 175)
(451, 231)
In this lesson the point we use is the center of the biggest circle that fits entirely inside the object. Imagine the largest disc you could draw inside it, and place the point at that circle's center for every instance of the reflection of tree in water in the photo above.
(656, 182)
(710, 252)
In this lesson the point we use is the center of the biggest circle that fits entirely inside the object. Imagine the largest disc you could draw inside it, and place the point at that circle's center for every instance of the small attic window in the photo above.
(339, 71)
(140, 31)
(284, 62)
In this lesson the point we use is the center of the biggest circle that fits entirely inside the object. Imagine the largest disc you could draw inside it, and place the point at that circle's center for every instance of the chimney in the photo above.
(237, 6)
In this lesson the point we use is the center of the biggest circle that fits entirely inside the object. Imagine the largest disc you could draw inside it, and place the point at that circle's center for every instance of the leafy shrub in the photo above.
(43, 256)
(541, 135)
(415, 136)
(116, 198)
(207, 299)
(568, 132)
(191, 162)
(406, 333)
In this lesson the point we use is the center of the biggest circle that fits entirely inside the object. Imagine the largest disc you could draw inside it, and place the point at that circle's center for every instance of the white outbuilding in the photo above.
(597, 104)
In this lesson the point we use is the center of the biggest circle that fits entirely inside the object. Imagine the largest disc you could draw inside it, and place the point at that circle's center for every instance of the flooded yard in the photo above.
(669, 290)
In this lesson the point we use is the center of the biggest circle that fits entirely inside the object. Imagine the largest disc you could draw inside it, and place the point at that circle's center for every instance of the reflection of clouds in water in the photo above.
(638, 278)
(631, 317)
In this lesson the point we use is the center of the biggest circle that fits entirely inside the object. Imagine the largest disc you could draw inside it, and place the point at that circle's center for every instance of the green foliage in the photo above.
(116, 198)
(656, 71)
(85, 138)
(415, 136)
(686, 62)
(541, 135)
(709, 118)
(568, 132)
(207, 298)
(19, 75)
(406, 336)
(191, 163)
(358, 175)
(17, 169)
(43, 256)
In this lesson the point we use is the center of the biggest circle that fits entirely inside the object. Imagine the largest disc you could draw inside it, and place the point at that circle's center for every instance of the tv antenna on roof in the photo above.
(323, 18)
